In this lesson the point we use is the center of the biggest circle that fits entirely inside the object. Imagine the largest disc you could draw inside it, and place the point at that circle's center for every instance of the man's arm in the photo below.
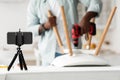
(85, 22)
(93, 9)
(33, 22)
(47, 25)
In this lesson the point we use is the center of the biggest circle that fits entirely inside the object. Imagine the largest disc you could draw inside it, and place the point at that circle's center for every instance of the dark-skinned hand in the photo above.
(85, 22)
(50, 23)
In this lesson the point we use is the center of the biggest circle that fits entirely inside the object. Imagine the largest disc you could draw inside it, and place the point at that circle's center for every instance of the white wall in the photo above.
(115, 35)
(12, 17)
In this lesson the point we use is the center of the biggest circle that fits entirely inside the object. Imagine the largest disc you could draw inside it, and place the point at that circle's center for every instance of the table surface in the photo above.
(62, 73)
(66, 73)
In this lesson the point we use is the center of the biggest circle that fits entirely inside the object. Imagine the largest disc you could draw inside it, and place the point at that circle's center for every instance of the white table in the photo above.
(66, 73)
(2, 74)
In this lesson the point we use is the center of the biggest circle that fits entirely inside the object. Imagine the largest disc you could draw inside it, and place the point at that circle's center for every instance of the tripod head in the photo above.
(19, 38)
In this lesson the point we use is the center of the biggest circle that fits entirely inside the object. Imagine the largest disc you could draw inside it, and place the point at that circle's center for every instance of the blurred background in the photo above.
(13, 16)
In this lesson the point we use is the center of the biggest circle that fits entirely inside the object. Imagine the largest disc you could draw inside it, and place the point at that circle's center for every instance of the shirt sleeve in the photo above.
(33, 22)
(92, 5)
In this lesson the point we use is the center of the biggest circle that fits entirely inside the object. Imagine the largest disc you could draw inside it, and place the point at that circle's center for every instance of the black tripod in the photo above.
(21, 60)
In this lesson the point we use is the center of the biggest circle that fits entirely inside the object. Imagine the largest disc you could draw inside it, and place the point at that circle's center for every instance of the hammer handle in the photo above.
(66, 30)
(56, 33)
(105, 31)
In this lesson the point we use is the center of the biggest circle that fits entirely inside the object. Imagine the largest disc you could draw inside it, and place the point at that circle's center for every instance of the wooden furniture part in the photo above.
(66, 30)
(105, 30)
(90, 36)
(56, 33)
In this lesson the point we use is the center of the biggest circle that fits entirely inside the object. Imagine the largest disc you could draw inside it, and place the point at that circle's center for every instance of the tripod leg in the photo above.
(20, 61)
(14, 58)
(23, 61)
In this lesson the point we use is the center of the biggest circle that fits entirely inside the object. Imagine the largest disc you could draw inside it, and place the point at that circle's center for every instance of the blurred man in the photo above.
(41, 25)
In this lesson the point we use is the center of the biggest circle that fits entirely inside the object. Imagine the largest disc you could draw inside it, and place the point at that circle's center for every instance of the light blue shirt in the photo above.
(37, 15)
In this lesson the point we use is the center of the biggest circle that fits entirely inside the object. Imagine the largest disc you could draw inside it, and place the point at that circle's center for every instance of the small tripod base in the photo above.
(21, 60)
